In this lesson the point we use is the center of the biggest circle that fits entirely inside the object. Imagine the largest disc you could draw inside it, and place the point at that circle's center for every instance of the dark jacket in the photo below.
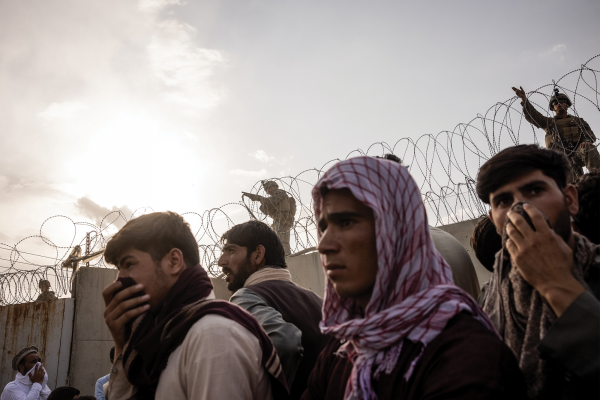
(297, 306)
(465, 361)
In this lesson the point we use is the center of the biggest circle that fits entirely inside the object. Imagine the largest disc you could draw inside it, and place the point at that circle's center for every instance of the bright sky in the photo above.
(119, 104)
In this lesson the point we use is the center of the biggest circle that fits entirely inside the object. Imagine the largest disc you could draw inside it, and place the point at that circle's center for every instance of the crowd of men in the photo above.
(401, 316)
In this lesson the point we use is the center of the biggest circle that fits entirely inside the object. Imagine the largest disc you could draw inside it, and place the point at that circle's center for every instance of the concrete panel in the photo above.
(463, 231)
(91, 338)
(46, 325)
(307, 271)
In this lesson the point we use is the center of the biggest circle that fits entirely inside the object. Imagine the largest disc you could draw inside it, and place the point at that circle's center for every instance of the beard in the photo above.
(238, 279)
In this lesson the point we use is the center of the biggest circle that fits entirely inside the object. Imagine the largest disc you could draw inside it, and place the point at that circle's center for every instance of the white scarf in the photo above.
(269, 274)
(24, 379)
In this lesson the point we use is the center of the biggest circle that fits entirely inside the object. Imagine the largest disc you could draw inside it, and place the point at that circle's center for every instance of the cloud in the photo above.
(97, 213)
(185, 69)
(555, 50)
(261, 155)
(255, 174)
(62, 110)
(152, 6)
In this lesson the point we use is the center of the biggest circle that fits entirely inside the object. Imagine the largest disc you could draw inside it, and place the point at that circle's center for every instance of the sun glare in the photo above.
(134, 161)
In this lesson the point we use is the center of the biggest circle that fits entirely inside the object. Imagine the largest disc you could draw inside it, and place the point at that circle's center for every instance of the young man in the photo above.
(399, 327)
(543, 294)
(174, 341)
(254, 261)
(31, 379)
(564, 132)
(587, 219)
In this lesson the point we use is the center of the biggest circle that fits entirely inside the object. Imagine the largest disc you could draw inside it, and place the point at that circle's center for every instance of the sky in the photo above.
(180, 105)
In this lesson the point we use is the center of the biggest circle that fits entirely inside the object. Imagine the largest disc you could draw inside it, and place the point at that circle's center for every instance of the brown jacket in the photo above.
(571, 130)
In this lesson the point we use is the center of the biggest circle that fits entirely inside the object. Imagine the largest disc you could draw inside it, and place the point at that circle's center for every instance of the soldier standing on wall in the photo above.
(280, 207)
(46, 294)
(564, 132)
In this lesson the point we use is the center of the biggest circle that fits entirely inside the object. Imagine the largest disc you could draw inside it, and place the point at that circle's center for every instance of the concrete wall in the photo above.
(46, 325)
(306, 271)
(463, 231)
(92, 341)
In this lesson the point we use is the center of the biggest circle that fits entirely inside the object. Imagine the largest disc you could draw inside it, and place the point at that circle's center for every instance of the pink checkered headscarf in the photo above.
(414, 295)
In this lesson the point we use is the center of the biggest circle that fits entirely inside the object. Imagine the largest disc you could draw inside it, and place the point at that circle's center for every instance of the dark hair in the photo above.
(253, 233)
(486, 242)
(516, 161)
(112, 353)
(588, 216)
(391, 157)
(86, 398)
(63, 393)
(157, 234)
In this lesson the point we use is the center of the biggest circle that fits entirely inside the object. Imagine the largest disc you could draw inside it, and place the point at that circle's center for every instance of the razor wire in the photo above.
(444, 165)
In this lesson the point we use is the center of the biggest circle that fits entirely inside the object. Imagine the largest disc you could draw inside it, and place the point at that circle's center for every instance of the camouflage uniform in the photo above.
(46, 296)
(278, 206)
(566, 134)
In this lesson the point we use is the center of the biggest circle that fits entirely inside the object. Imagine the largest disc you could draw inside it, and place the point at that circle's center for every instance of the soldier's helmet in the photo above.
(269, 184)
(557, 97)
(44, 282)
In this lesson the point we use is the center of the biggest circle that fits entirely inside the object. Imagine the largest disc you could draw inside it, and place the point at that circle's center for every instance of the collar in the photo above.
(269, 273)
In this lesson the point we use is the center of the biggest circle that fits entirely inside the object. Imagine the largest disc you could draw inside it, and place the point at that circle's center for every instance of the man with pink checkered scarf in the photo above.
(399, 327)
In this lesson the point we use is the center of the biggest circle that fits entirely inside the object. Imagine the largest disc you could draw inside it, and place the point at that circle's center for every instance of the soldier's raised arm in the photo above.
(532, 115)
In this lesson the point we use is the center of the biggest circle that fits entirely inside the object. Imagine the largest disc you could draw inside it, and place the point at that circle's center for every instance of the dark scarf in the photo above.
(523, 317)
(150, 339)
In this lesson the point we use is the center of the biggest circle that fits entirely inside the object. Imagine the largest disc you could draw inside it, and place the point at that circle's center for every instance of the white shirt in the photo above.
(23, 389)
(218, 359)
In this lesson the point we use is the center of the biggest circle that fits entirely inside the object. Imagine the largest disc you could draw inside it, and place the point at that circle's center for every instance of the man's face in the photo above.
(270, 190)
(236, 265)
(544, 194)
(348, 245)
(559, 105)
(29, 363)
(140, 266)
(44, 288)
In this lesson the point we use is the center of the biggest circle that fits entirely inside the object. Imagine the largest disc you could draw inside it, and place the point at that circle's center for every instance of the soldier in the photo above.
(46, 294)
(564, 132)
(280, 207)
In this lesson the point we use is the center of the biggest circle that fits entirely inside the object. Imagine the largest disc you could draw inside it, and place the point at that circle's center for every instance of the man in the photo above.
(543, 294)
(399, 328)
(99, 388)
(30, 381)
(65, 393)
(172, 339)
(564, 132)
(587, 219)
(254, 262)
(46, 294)
(280, 207)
